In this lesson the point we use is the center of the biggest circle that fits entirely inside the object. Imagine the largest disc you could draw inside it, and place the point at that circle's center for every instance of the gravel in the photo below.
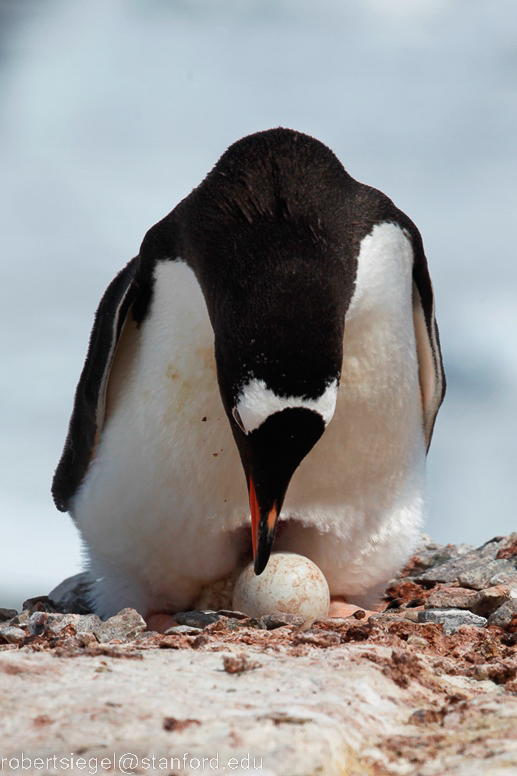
(450, 585)
(452, 619)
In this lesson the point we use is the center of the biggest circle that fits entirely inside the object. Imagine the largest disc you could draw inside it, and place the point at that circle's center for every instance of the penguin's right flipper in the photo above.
(89, 404)
(430, 361)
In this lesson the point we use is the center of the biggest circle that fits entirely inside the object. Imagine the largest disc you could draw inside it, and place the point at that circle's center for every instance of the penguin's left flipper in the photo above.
(430, 363)
(90, 397)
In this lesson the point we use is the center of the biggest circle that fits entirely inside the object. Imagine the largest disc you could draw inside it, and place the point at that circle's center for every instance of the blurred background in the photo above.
(111, 111)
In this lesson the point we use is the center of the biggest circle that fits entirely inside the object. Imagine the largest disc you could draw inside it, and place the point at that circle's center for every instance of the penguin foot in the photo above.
(160, 621)
(340, 608)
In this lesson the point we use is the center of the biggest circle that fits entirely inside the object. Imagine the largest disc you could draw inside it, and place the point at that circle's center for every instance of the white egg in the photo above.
(289, 584)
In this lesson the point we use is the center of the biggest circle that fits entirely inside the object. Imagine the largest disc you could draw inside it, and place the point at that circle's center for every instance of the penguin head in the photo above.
(272, 443)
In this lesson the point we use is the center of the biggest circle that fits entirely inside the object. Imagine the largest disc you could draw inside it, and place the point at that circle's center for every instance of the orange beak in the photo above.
(262, 530)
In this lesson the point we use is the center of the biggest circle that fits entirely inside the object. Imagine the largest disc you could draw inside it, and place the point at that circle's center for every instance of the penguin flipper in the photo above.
(430, 361)
(89, 403)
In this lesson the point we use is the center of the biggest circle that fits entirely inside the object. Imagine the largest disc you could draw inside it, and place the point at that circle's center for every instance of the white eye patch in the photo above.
(256, 402)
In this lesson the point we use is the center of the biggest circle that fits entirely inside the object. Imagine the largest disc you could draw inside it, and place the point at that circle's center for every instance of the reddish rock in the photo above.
(509, 547)
(454, 597)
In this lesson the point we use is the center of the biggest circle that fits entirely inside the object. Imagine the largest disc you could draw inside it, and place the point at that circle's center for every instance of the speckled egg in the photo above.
(289, 584)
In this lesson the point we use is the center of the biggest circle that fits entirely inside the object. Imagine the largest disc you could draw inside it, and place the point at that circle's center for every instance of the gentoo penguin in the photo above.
(272, 348)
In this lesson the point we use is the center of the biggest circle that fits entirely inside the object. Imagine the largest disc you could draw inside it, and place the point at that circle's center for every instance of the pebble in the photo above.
(504, 614)
(182, 630)
(482, 583)
(53, 624)
(482, 602)
(430, 554)
(507, 578)
(21, 619)
(474, 565)
(273, 621)
(40, 603)
(446, 572)
(317, 638)
(7, 614)
(489, 600)
(454, 597)
(196, 619)
(452, 619)
(389, 616)
(233, 614)
(126, 625)
(417, 641)
(508, 546)
(11, 634)
(481, 575)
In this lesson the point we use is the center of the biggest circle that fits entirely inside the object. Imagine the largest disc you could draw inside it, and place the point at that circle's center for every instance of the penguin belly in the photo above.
(165, 494)
(355, 505)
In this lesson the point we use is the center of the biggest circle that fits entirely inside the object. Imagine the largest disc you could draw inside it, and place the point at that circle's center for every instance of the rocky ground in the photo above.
(427, 687)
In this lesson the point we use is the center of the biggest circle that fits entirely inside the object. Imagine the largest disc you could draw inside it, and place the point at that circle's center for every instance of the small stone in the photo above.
(482, 602)
(487, 601)
(480, 576)
(504, 614)
(196, 619)
(85, 639)
(395, 604)
(182, 630)
(200, 641)
(249, 622)
(490, 548)
(449, 571)
(220, 625)
(334, 623)
(125, 625)
(428, 555)
(404, 590)
(37, 623)
(508, 547)
(317, 638)
(451, 619)
(233, 615)
(86, 623)
(412, 615)
(53, 623)
(460, 564)
(7, 614)
(506, 578)
(414, 603)
(385, 617)
(40, 603)
(498, 671)
(417, 641)
(21, 619)
(237, 664)
(451, 598)
(10, 634)
(273, 621)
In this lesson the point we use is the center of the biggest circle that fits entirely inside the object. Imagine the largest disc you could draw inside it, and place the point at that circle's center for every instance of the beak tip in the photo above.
(259, 565)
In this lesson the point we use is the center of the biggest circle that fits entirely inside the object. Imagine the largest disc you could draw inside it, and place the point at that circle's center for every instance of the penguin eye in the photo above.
(237, 418)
